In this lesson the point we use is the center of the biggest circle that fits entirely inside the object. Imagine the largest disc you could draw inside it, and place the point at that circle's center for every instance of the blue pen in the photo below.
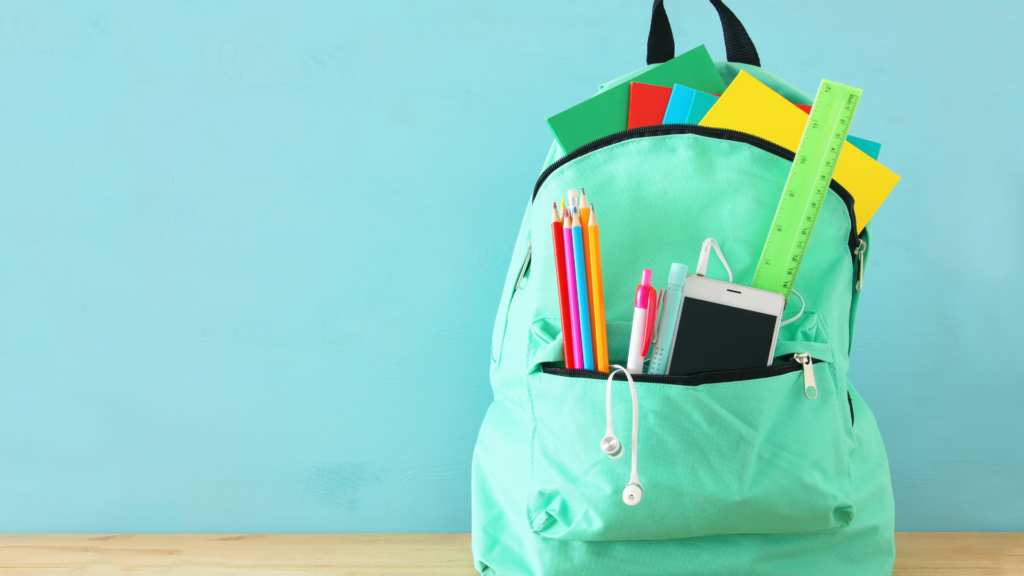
(586, 337)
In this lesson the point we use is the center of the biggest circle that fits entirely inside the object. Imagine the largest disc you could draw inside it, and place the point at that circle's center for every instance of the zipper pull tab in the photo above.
(859, 252)
(805, 360)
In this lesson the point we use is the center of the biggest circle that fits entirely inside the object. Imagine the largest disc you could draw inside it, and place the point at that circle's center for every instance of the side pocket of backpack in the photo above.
(860, 266)
(518, 271)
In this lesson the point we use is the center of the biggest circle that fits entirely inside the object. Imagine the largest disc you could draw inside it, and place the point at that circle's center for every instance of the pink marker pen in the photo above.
(644, 313)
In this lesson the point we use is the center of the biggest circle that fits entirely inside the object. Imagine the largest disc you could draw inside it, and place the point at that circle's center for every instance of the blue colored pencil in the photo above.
(586, 339)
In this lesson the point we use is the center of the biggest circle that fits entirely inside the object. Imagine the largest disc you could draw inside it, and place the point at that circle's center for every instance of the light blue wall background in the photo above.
(251, 252)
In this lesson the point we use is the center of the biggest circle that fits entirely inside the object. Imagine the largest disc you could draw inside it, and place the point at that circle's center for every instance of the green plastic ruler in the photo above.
(806, 187)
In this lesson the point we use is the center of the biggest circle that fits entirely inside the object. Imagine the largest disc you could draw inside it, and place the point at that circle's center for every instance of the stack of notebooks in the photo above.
(689, 90)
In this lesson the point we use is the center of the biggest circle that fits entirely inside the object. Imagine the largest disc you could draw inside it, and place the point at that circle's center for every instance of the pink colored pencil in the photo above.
(574, 304)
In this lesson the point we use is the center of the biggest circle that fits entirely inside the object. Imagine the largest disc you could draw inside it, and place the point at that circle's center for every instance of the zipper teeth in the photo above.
(689, 380)
(717, 133)
(658, 130)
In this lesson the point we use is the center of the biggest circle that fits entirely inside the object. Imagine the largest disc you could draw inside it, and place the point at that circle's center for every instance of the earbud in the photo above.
(611, 446)
(633, 493)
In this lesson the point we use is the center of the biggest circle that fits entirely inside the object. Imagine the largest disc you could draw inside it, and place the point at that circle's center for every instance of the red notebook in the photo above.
(647, 104)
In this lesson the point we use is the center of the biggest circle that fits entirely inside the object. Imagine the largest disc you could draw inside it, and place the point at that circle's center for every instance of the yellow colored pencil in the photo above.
(599, 328)
(585, 223)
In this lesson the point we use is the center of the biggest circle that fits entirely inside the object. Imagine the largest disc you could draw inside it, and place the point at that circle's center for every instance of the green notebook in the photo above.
(607, 112)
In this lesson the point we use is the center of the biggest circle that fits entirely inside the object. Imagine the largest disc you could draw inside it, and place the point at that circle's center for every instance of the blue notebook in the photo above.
(678, 105)
(687, 106)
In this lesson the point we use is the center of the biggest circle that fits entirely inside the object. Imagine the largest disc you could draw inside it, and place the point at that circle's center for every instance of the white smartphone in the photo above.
(724, 326)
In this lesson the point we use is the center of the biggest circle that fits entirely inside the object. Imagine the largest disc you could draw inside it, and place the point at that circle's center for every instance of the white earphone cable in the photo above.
(705, 253)
(803, 304)
(633, 475)
(608, 399)
(611, 446)
(702, 268)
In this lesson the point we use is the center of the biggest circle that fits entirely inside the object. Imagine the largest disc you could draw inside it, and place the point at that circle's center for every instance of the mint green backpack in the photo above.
(741, 472)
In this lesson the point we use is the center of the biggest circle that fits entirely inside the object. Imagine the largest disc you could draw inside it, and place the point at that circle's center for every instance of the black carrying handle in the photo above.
(661, 47)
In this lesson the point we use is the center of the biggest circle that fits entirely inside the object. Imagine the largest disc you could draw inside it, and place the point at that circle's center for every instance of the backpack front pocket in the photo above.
(716, 454)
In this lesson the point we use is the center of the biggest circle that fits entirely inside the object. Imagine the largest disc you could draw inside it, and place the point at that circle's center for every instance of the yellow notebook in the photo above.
(749, 106)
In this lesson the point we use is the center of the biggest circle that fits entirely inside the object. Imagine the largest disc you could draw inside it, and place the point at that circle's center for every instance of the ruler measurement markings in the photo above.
(806, 187)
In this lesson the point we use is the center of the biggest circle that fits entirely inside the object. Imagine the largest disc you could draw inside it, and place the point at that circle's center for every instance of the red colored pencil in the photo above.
(563, 288)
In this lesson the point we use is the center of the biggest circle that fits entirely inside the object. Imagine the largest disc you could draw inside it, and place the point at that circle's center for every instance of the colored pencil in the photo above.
(597, 289)
(585, 224)
(570, 281)
(563, 289)
(586, 342)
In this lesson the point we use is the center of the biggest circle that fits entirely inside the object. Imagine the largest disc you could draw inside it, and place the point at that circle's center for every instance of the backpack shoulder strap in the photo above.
(738, 46)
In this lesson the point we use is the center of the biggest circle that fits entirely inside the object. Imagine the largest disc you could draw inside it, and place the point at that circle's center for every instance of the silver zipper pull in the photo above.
(859, 252)
(805, 360)
(526, 265)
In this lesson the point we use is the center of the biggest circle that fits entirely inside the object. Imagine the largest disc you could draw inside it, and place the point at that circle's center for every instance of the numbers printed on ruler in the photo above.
(806, 187)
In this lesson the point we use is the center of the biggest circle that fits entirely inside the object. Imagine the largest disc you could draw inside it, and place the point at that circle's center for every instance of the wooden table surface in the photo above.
(918, 554)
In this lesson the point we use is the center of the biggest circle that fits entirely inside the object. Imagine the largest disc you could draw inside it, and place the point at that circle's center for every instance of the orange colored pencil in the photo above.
(585, 223)
(596, 279)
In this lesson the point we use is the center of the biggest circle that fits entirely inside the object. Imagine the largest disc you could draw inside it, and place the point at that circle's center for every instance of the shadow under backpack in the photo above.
(741, 473)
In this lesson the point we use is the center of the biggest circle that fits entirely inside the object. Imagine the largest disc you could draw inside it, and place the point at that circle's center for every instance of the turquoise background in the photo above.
(251, 252)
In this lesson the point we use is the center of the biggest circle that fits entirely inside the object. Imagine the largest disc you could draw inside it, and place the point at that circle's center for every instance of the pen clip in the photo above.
(652, 313)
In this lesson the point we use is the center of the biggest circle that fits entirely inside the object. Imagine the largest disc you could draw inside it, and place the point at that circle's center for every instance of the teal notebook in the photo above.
(607, 112)
(687, 106)
(866, 146)
(702, 102)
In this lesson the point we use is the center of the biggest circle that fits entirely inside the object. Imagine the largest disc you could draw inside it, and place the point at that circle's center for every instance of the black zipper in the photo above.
(778, 369)
(716, 133)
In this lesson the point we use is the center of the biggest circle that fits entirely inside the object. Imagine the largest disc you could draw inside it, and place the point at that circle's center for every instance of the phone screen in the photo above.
(713, 336)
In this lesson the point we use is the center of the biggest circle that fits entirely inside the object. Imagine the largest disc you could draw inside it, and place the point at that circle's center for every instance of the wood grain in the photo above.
(236, 555)
(918, 554)
(960, 553)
